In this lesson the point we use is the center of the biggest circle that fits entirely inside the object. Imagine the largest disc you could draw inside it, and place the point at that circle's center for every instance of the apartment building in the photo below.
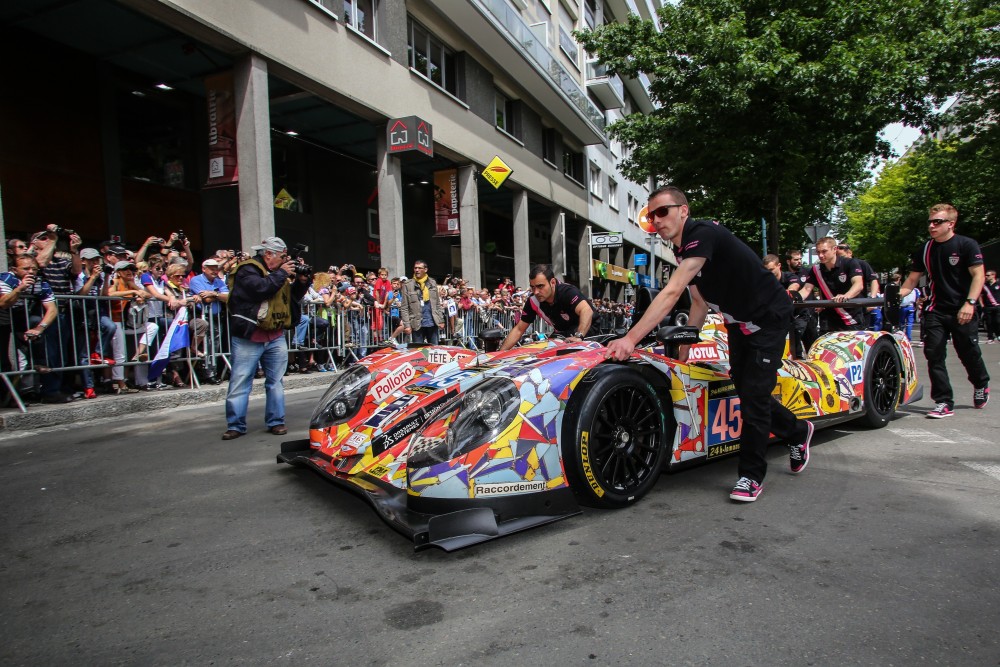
(358, 127)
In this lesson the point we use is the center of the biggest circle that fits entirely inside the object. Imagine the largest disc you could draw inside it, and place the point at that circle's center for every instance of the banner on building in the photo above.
(446, 203)
(222, 163)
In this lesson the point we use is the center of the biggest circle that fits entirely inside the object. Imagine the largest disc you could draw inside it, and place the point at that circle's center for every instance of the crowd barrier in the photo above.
(98, 341)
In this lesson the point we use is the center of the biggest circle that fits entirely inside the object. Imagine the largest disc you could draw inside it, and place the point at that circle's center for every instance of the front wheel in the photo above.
(614, 438)
(883, 382)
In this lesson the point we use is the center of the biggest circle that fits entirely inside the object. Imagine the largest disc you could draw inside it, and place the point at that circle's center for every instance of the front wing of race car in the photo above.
(446, 524)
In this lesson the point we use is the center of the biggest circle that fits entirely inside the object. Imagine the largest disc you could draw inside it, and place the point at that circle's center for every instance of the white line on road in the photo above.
(920, 435)
(991, 469)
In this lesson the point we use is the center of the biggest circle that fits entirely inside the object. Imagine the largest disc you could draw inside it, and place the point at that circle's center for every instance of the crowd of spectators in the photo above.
(102, 313)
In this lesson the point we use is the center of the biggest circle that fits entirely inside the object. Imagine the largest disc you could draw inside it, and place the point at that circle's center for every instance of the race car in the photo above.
(454, 447)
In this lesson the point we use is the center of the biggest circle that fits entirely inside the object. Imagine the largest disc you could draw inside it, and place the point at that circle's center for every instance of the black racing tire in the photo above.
(883, 382)
(615, 438)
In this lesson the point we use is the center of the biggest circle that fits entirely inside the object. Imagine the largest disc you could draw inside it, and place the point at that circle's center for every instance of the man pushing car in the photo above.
(724, 273)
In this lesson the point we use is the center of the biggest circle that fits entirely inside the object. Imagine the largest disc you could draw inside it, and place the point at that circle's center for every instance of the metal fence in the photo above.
(110, 342)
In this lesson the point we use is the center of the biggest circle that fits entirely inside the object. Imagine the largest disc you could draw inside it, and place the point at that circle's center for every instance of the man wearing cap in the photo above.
(210, 293)
(262, 303)
(93, 282)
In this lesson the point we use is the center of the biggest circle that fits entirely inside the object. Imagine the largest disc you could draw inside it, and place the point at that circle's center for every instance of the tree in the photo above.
(771, 108)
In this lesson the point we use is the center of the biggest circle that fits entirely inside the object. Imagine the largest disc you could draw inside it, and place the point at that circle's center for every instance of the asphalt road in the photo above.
(147, 540)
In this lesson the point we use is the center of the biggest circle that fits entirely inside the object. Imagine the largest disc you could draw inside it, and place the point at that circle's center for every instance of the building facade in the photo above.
(237, 119)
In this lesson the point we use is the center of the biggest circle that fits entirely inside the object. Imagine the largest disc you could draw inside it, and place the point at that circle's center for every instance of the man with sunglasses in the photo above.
(955, 277)
(724, 273)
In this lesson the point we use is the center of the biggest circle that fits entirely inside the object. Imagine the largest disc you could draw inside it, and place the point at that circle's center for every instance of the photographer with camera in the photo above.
(262, 303)
(93, 281)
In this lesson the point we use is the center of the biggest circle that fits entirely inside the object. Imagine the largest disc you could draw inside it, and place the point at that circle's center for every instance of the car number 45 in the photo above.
(724, 419)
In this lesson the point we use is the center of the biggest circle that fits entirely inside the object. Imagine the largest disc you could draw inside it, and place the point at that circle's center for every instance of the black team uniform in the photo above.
(990, 297)
(946, 265)
(758, 314)
(561, 313)
(834, 282)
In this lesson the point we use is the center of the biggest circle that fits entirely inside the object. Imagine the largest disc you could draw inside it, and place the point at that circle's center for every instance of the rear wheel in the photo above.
(882, 383)
(614, 438)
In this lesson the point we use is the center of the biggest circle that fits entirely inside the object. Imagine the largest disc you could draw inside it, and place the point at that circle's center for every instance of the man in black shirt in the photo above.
(838, 279)
(955, 277)
(868, 276)
(561, 305)
(805, 321)
(724, 273)
(989, 299)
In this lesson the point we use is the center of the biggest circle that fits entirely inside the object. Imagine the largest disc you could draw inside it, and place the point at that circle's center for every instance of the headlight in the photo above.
(343, 399)
(466, 422)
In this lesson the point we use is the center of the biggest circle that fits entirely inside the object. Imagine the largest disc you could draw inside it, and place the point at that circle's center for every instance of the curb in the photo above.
(39, 416)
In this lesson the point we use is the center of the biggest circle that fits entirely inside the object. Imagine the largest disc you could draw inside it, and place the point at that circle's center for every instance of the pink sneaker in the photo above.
(746, 490)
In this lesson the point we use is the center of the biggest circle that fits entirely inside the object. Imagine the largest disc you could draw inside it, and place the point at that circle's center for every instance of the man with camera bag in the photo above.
(262, 304)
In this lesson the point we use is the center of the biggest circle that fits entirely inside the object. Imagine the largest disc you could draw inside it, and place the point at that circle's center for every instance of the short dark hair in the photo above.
(675, 192)
(793, 251)
(768, 259)
(544, 269)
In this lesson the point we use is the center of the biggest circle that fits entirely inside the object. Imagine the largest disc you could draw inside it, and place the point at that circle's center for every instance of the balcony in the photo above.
(507, 39)
(608, 88)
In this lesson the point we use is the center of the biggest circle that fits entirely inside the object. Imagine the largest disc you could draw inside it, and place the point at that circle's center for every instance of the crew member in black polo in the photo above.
(559, 304)
(989, 299)
(724, 273)
(791, 281)
(868, 276)
(955, 278)
(837, 279)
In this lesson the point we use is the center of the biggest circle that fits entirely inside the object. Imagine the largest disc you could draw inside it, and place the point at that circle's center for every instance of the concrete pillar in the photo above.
(557, 241)
(253, 147)
(390, 207)
(618, 259)
(586, 265)
(522, 253)
(468, 220)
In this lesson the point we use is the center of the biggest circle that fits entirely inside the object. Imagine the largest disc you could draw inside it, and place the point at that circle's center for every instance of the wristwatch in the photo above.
(971, 302)
(578, 334)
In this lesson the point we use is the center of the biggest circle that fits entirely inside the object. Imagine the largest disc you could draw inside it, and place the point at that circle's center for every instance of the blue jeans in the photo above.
(273, 356)
(906, 316)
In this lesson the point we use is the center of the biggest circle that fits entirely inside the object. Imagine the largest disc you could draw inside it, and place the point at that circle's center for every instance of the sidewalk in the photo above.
(40, 415)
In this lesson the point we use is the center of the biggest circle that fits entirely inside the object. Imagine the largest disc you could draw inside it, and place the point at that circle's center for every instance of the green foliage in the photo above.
(772, 108)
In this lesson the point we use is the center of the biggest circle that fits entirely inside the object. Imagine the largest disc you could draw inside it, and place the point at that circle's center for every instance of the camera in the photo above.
(107, 268)
(296, 251)
(179, 243)
(62, 238)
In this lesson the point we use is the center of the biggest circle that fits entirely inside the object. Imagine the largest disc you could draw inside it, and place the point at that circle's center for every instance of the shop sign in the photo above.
(446, 218)
(409, 134)
(618, 274)
(641, 259)
(222, 163)
(607, 240)
(496, 172)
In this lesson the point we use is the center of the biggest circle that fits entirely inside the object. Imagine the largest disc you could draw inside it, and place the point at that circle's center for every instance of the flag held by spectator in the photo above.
(178, 337)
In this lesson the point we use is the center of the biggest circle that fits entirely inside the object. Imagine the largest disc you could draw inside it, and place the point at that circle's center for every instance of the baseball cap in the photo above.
(89, 253)
(210, 262)
(403, 279)
(119, 266)
(272, 243)
(351, 290)
(118, 250)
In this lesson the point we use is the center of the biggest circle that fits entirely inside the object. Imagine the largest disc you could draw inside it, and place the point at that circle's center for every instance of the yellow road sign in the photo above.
(496, 172)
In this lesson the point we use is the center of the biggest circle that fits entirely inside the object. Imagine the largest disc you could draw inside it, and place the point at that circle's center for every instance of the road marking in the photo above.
(920, 435)
(965, 437)
(991, 469)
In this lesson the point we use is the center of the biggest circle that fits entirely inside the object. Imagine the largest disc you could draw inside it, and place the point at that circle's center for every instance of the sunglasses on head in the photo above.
(661, 211)
(938, 221)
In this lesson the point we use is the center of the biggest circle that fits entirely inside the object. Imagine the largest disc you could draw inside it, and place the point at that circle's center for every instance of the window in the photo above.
(633, 209)
(595, 181)
(508, 118)
(568, 46)
(432, 59)
(549, 145)
(590, 12)
(360, 15)
(612, 193)
(573, 165)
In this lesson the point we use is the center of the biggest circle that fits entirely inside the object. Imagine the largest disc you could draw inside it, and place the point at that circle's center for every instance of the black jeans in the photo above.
(991, 315)
(936, 327)
(754, 362)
